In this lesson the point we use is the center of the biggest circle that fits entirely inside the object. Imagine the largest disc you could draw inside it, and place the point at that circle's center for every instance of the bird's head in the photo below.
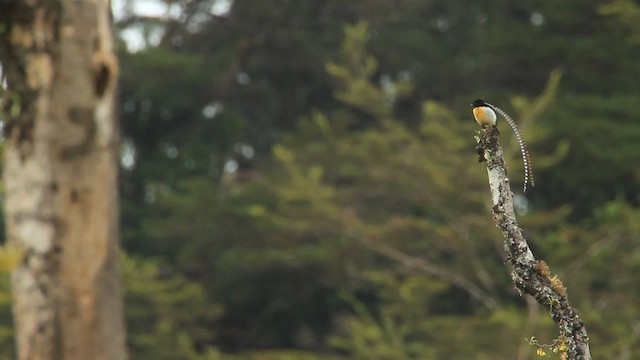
(478, 103)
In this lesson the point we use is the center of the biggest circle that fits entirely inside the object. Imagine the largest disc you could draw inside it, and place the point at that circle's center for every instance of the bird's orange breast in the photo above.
(484, 116)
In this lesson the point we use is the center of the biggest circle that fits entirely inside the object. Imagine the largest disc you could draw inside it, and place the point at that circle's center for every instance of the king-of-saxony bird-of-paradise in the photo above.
(485, 115)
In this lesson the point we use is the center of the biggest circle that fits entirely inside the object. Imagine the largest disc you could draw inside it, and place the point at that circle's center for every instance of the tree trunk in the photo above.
(60, 178)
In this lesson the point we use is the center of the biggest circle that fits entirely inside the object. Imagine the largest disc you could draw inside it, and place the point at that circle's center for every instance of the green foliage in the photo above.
(310, 226)
(391, 334)
(158, 325)
(357, 70)
(600, 120)
(627, 12)
(10, 257)
(7, 345)
(341, 235)
(282, 355)
(593, 256)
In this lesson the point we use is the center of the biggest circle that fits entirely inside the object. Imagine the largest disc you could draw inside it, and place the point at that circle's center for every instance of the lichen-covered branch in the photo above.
(529, 275)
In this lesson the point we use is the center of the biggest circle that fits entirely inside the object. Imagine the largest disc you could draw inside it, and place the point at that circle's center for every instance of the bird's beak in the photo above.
(471, 105)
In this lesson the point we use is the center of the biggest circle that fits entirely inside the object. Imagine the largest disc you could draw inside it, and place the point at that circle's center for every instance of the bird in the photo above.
(485, 115)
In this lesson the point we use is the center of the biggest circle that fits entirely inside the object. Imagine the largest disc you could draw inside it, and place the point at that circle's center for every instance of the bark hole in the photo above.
(102, 79)
(104, 72)
(74, 196)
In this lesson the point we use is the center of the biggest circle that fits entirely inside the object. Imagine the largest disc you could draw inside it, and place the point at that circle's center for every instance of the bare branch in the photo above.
(529, 275)
(481, 273)
(430, 268)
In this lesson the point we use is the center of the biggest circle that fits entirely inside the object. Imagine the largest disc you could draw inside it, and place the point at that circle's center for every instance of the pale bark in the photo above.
(529, 275)
(60, 178)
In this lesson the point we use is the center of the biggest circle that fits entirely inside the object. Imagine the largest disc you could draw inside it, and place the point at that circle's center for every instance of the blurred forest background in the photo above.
(299, 177)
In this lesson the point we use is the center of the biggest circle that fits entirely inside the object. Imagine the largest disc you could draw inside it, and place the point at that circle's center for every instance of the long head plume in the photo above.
(528, 172)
